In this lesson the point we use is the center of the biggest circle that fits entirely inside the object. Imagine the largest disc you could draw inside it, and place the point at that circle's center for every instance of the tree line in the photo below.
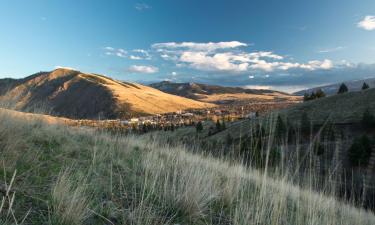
(319, 93)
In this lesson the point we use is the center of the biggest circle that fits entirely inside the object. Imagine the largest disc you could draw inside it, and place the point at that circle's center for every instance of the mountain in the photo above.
(73, 94)
(219, 94)
(331, 89)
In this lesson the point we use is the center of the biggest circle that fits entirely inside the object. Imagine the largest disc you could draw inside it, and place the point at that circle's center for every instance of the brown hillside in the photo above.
(73, 94)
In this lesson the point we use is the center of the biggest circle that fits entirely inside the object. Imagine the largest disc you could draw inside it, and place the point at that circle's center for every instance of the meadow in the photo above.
(55, 174)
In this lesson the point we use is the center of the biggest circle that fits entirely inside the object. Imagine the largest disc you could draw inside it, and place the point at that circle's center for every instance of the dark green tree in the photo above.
(223, 126)
(306, 97)
(218, 125)
(172, 127)
(229, 140)
(368, 119)
(305, 123)
(360, 151)
(320, 93)
(342, 89)
(199, 127)
(365, 86)
(280, 129)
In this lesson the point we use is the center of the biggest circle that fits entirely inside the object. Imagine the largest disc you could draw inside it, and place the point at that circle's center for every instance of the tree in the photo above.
(172, 127)
(368, 120)
(229, 140)
(360, 151)
(320, 93)
(280, 129)
(218, 126)
(199, 127)
(306, 97)
(223, 126)
(365, 86)
(305, 123)
(343, 88)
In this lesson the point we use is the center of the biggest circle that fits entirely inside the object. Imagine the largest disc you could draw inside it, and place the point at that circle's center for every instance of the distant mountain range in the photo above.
(73, 94)
(218, 94)
(331, 89)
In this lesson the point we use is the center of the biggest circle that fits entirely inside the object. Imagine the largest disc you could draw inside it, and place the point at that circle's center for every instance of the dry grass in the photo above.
(136, 180)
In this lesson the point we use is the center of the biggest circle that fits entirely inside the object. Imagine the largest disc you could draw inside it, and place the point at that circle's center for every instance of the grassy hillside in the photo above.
(331, 89)
(52, 174)
(73, 94)
(342, 108)
(220, 94)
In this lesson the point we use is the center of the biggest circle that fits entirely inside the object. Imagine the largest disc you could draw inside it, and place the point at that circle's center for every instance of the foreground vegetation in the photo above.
(59, 175)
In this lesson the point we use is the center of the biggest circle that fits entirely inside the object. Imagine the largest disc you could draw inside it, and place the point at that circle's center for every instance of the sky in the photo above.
(285, 45)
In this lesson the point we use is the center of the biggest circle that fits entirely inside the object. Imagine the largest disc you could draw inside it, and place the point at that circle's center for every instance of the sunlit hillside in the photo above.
(74, 94)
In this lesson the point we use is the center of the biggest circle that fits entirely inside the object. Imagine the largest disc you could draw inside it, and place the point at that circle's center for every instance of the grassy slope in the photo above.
(72, 176)
(343, 108)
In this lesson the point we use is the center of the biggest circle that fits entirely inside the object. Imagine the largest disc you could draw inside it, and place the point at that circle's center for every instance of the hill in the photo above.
(56, 175)
(73, 94)
(219, 94)
(331, 89)
(343, 108)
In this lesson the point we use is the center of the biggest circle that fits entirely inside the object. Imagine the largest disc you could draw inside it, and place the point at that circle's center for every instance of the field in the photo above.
(53, 174)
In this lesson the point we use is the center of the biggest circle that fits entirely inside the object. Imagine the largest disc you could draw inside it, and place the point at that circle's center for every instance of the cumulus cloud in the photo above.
(368, 23)
(230, 57)
(216, 62)
(143, 69)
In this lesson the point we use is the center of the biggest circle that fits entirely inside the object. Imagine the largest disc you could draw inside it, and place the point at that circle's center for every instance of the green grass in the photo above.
(77, 176)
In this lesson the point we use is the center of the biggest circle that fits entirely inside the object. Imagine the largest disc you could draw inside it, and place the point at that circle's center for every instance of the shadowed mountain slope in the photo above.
(220, 94)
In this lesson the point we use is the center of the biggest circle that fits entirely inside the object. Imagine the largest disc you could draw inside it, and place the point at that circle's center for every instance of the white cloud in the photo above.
(119, 52)
(251, 77)
(229, 57)
(210, 46)
(65, 67)
(133, 57)
(142, 6)
(328, 50)
(140, 54)
(368, 23)
(143, 69)
(262, 54)
(258, 87)
(216, 62)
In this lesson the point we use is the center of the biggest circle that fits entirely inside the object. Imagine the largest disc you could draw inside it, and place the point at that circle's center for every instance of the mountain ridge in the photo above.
(218, 94)
(73, 94)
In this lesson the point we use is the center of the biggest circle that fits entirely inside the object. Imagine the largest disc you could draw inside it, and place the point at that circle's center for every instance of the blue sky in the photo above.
(279, 44)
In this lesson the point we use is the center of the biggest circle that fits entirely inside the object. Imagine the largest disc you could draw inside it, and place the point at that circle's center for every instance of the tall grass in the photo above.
(79, 176)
